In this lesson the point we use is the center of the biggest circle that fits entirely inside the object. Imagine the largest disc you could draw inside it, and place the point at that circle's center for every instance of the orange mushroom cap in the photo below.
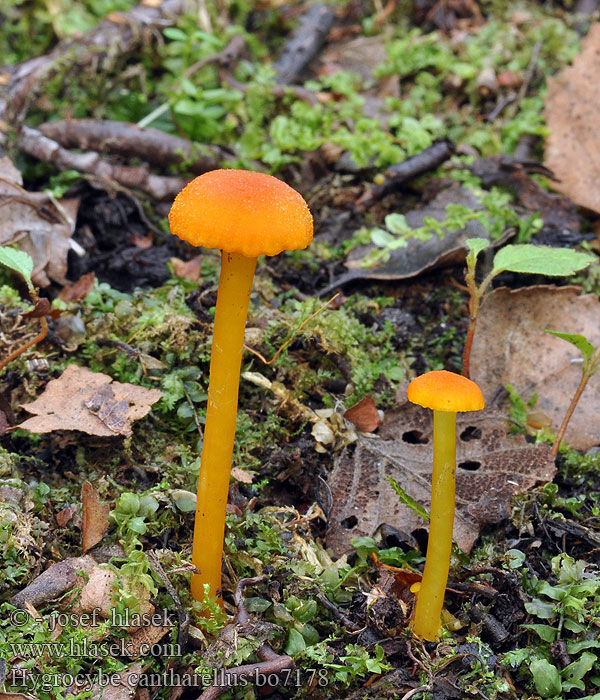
(241, 211)
(445, 391)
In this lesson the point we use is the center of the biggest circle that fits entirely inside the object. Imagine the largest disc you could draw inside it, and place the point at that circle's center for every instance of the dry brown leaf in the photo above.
(189, 269)
(573, 115)
(510, 347)
(36, 224)
(491, 467)
(91, 402)
(98, 594)
(148, 634)
(364, 415)
(94, 517)
(78, 290)
(98, 591)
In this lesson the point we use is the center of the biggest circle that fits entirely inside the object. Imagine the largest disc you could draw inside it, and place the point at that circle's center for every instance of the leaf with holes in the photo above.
(492, 466)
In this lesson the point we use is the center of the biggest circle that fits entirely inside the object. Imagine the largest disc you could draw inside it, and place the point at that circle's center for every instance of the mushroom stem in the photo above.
(235, 286)
(430, 599)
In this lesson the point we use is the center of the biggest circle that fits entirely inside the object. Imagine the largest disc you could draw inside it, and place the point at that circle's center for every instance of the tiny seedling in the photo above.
(523, 259)
(21, 263)
(591, 364)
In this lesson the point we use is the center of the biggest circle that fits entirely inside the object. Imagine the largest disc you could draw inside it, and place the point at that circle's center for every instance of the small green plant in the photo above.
(589, 367)
(524, 259)
(22, 264)
(568, 610)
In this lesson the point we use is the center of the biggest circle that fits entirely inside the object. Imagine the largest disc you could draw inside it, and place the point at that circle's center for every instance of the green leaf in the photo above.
(137, 525)
(381, 238)
(396, 223)
(577, 670)
(576, 647)
(545, 611)
(546, 632)
(475, 246)
(18, 261)
(579, 341)
(295, 643)
(546, 678)
(540, 260)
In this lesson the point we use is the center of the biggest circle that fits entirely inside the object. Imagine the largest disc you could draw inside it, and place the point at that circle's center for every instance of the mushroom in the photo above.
(446, 393)
(245, 214)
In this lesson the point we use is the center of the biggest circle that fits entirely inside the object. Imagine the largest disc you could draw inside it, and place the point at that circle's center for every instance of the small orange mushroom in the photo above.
(446, 393)
(245, 214)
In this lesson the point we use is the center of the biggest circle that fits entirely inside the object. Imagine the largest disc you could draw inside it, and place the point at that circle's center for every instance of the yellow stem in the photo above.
(235, 286)
(430, 599)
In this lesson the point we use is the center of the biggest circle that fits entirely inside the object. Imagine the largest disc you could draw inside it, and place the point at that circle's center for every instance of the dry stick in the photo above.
(131, 141)
(294, 334)
(34, 143)
(182, 614)
(271, 662)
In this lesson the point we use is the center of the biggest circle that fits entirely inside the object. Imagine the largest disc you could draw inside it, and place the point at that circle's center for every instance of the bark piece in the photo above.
(56, 580)
(491, 467)
(91, 402)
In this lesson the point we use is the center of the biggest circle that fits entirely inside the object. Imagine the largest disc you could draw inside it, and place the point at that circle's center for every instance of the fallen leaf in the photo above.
(78, 290)
(511, 347)
(146, 635)
(573, 116)
(364, 415)
(36, 224)
(94, 516)
(241, 475)
(97, 594)
(189, 269)
(91, 402)
(64, 515)
(491, 468)
(419, 256)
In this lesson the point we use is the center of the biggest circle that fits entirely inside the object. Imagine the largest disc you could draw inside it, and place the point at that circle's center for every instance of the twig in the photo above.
(182, 614)
(304, 44)
(344, 619)
(399, 174)
(294, 334)
(34, 143)
(270, 662)
(130, 141)
(529, 73)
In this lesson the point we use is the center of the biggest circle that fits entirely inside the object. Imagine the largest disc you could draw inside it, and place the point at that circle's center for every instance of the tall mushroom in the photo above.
(245, 214)
(446, 393)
